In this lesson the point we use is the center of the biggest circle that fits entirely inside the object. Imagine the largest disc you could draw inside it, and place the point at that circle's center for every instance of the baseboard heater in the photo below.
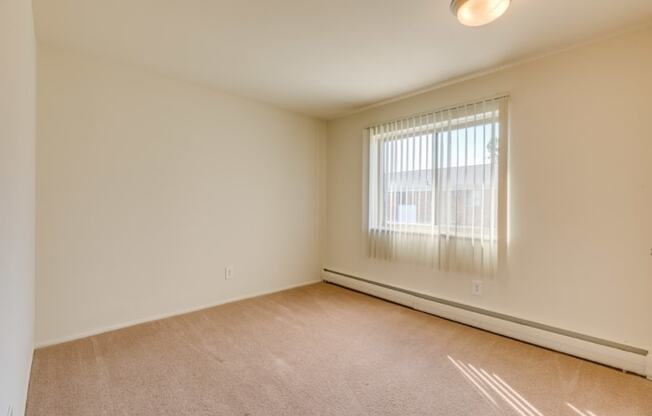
(626, 357)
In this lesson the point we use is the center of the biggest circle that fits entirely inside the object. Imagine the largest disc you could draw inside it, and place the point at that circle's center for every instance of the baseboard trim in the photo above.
(156, 317)
(628, 358)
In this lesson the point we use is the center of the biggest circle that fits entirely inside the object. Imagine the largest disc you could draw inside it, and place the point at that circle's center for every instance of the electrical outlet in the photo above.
(228, 272)
(476, 287)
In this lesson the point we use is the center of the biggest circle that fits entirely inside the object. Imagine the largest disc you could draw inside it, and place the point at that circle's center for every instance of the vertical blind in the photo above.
(435, 187)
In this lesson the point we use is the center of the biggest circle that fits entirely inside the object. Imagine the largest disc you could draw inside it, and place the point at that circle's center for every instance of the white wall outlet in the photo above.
(476, 287)
(228, 272)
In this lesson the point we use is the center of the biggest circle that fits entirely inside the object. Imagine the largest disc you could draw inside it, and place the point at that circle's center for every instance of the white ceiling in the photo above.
(321, 57)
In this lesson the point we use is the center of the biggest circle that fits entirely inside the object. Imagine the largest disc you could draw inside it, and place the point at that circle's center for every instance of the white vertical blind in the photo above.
(436, 187)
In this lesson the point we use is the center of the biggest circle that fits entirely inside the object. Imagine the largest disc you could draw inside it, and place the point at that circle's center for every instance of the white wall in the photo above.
(17, 105)
(580, 192)
(148, 188)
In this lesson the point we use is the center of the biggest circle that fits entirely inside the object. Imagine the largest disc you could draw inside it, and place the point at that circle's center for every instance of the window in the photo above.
(435, 186)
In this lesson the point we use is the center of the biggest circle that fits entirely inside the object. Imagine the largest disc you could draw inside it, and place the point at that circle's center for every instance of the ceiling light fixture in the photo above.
(478, 12)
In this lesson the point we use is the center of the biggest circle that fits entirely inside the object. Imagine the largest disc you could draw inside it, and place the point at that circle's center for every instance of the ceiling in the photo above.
(321, 57)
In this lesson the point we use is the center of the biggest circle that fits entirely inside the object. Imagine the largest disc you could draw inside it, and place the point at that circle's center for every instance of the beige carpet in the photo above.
(321, 350)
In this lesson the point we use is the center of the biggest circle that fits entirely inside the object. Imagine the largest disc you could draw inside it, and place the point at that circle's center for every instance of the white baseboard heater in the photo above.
(626, 357)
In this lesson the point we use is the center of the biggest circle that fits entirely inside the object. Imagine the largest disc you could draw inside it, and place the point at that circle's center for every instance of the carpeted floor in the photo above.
(321, 350)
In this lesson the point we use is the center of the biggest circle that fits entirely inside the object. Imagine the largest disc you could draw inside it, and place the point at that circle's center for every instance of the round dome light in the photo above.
(478, 12)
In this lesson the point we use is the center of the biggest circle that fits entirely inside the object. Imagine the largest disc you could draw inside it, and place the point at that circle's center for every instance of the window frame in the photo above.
(467, 121)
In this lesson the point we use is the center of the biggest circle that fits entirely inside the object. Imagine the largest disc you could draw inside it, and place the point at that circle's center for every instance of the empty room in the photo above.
(333, 208)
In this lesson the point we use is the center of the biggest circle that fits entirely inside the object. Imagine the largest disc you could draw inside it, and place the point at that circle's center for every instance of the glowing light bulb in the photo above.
(478, 12)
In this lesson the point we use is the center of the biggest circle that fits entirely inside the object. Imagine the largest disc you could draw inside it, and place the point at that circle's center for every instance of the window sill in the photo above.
(423, 233)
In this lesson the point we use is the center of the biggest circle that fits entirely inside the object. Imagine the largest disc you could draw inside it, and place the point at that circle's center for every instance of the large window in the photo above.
(435, 186)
